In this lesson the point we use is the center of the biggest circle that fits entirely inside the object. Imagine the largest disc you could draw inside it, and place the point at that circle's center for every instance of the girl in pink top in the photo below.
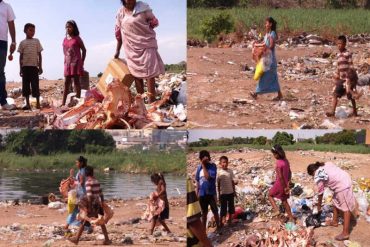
(340, 182)
(73, 60)
(280, 189)
(135, 25)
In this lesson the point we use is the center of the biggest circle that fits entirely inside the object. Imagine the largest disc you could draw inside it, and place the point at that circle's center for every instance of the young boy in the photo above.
(206, 187)
(226, 190)
(30, 62)
(92, 203)
(346, 87)
(344, 58)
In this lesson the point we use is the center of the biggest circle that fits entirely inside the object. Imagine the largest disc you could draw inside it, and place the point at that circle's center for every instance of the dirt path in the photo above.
(259, 162)
(216, 78)
(38, 224)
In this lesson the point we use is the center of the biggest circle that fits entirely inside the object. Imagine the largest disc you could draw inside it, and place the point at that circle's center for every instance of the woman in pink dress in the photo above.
(73, 60)
(280, 189)
(135, 25)
(340, 182)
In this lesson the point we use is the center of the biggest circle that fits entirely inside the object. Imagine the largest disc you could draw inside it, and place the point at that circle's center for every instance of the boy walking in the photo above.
(30, 62)
(206, 186)
(226, 190)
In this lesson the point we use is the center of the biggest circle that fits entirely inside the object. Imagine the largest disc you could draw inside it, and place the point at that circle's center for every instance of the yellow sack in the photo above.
(259, 70)
(72, 201)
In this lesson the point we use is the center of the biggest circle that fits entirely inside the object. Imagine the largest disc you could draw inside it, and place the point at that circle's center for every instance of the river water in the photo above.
(32, 185)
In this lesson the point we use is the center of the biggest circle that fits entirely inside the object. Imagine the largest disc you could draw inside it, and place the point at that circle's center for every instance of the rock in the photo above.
(127, 240)
(157, 234)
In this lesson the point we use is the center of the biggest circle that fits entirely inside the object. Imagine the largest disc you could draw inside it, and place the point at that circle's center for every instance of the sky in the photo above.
(95, 19)
(194, 135)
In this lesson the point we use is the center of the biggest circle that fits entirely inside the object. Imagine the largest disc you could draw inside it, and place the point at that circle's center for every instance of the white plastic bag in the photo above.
(267, 60)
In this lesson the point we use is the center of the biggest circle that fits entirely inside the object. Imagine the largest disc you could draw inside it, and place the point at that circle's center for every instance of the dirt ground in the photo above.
(37, 223)
(219, 87)
(240, 162)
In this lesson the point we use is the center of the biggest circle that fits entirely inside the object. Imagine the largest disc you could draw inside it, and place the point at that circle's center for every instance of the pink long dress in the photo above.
(339, 182)
(277, 190)
(73, 64)
(136, 30)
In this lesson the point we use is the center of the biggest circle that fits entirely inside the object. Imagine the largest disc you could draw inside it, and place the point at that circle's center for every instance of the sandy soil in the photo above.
(216, 79)
(36, 221)
(240, 162)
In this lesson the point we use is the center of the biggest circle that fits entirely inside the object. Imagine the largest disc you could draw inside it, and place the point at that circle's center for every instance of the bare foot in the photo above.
(253, 95)
(278, 98)
(341, 237)
(330, 114)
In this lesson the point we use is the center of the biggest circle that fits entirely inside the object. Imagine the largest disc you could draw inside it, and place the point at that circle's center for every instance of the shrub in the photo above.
(212, 26)
(283, 139)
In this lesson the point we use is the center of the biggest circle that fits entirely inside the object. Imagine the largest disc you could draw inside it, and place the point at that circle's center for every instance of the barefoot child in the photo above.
(280, 189)
(226, 190)
(346, 87)
(30, 62)
(73, 61)
(158, 180)
(340, 182)
(92, 204)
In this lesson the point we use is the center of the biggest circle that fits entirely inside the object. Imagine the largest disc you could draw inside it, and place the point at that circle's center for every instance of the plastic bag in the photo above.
(313, 220)
(259, 71)
(72, 201)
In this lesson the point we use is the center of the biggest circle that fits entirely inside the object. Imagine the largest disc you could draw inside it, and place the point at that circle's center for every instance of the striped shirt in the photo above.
(30, 49)
(225, 180)
(93, 187)
(344, 63)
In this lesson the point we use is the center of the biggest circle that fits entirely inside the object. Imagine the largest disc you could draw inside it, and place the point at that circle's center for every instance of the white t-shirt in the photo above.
(6, 15)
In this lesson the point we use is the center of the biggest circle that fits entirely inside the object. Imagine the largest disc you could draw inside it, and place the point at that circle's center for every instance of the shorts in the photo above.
(165, 213)
(340, 91)
(208, 200)
(30, 80)
(227, 202)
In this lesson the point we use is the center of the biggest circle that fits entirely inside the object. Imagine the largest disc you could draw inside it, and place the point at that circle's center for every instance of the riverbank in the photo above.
(120, 161)
(34, 225)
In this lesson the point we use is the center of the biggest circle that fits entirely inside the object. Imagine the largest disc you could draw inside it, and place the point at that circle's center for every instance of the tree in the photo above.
(283, 138)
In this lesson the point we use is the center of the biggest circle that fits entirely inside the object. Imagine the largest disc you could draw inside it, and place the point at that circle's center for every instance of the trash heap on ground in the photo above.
(112, 102)
(255, 177)
(121, 231)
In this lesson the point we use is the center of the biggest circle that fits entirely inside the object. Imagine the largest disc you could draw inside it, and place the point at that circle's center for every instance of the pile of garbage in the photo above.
(121, 109)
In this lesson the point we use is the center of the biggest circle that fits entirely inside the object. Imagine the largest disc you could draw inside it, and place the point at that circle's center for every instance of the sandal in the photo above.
(340, 237)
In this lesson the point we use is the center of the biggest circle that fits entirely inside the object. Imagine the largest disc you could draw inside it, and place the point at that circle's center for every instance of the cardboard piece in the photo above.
(117, 69)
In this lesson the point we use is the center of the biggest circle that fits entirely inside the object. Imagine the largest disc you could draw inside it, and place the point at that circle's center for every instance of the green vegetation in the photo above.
(344, 141)
(360, 149)
(325, 22)
(122, 161)
(214, 25)
(175, 68)
(36, 142)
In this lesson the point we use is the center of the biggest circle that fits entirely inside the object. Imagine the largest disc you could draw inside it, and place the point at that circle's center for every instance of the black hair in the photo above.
(89, 171)
(224, 158)
(156, 177)
(277, 149)
(28, 25)
(123, 2)
(76, 31)
(342, 38)
(204, 153)
(83, 161)
(311, 169)
(273, 24)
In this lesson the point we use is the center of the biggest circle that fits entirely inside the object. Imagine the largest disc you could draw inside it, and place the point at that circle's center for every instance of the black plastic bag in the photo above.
(313, 220)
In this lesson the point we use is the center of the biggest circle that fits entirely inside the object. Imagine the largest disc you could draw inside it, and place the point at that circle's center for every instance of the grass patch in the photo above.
(326, 22)
(138, 162)
(360, 149)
